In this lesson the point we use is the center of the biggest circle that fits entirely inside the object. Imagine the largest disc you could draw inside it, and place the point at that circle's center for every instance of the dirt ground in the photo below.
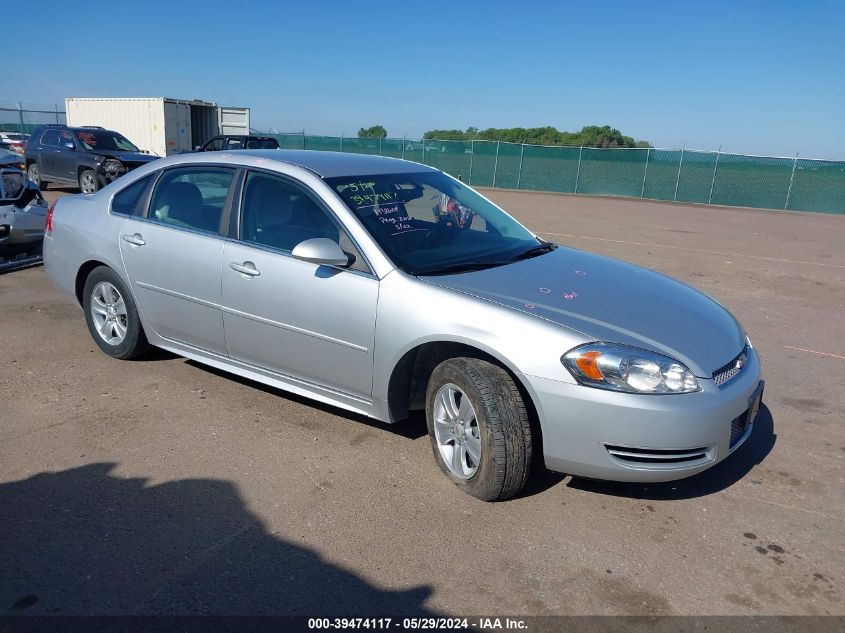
(161, 486)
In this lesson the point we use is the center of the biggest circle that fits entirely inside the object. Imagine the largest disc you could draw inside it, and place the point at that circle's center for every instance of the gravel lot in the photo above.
(161, 486)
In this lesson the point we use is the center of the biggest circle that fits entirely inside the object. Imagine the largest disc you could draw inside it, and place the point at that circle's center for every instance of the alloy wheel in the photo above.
(88, 183)
(456, 431)
(108, 310)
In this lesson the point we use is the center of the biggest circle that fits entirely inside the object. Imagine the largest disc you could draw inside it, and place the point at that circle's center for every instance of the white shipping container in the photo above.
(158, 125)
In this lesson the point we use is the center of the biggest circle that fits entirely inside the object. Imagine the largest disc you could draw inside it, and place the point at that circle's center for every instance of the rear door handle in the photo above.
(247, 268)
(135, 239)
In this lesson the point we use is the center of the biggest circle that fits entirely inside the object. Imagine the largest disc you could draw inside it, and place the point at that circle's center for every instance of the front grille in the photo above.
(659, 457)
(725, 374)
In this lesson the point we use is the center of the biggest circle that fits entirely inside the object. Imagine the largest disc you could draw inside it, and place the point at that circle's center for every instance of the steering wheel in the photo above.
(439, 232)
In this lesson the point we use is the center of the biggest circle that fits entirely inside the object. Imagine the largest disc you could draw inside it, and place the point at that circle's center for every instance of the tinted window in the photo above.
(50, 137)
(262, 143)
(235, 143)
(124, 201)
(279, 214)
(213, 145)
(192, 198)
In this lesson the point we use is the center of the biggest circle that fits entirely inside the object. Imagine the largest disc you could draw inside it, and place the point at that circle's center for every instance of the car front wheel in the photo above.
(112, 316)
(479, 428)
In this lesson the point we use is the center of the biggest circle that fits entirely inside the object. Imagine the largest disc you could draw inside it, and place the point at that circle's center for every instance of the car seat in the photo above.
(267, 212)
(181, 203)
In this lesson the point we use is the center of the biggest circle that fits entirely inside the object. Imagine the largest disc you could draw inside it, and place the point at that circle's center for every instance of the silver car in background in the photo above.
(383, 286)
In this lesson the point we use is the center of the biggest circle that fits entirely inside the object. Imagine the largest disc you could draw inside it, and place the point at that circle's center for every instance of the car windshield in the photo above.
(429, 223)
(99, 140)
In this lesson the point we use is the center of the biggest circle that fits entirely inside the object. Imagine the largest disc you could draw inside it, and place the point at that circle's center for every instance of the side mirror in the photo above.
(320, 250)
(197, 148)
(68, 145)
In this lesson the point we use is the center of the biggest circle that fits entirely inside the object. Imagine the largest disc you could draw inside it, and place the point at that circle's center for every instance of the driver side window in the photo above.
(64, 138)
(278, 214)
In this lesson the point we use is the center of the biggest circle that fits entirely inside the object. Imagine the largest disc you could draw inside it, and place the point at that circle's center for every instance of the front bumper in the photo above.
(21, 228)
(602, 434)
(107, 176)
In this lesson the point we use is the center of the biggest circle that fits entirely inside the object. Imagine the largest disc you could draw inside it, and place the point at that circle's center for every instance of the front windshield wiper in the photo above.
(544, 247)
(460, 267)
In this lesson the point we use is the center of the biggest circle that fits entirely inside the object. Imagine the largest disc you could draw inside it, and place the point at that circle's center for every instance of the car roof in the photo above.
(332, 164)
(72, 128)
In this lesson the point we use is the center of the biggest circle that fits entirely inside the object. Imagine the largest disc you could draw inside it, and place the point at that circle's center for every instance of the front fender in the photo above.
(412, 312)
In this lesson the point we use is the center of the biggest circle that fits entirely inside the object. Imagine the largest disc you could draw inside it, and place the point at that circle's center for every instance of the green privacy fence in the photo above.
(684, 175)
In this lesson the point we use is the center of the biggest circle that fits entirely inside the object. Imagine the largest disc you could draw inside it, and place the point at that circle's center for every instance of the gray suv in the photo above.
(84, 157)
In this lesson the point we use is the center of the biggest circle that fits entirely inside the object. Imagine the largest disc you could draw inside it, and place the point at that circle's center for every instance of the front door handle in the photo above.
(136, 239)
(247, 268)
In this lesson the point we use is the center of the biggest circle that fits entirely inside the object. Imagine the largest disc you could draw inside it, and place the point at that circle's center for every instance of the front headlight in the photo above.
(629, 369)
(11, 184)
(113, 167)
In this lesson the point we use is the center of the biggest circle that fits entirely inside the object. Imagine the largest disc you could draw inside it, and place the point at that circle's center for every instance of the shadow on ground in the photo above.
(83, 541)
(723, 475)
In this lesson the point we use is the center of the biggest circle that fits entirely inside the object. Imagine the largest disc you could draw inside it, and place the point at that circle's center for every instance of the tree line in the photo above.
(589, 136)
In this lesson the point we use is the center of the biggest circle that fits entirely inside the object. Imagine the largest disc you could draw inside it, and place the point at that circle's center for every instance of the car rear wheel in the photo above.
(88, 181)
(112, 316)
(34, 174)
(479, 428)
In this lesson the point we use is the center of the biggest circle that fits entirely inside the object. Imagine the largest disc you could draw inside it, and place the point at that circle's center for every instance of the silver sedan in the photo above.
(383, 286)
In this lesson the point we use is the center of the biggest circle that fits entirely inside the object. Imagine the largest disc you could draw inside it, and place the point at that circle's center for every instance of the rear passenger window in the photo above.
(192, 198)
(124, 201)
(50, 137)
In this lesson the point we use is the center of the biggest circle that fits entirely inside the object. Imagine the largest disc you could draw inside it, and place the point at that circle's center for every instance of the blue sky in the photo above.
(758, 77)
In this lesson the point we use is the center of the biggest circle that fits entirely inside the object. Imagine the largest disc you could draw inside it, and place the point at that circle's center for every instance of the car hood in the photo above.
(612, 301)
(127, 157)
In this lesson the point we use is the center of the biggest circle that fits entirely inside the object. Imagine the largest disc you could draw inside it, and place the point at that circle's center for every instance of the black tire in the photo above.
(88, 181)
(503, 423)
(33, 172)
(135, 342)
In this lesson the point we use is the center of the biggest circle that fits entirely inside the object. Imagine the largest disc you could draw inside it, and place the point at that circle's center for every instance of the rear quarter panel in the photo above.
(83, 231)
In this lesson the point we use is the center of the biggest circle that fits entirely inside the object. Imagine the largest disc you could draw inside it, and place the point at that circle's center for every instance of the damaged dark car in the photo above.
(23, 210)
(85, 157)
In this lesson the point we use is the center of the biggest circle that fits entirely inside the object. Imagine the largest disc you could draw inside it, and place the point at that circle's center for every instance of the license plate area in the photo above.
(741, 425)
(756, 400)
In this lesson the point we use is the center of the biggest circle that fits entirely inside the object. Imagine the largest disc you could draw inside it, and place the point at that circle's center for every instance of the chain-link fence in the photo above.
(682, 175)
(25, 117)
(796, 184)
